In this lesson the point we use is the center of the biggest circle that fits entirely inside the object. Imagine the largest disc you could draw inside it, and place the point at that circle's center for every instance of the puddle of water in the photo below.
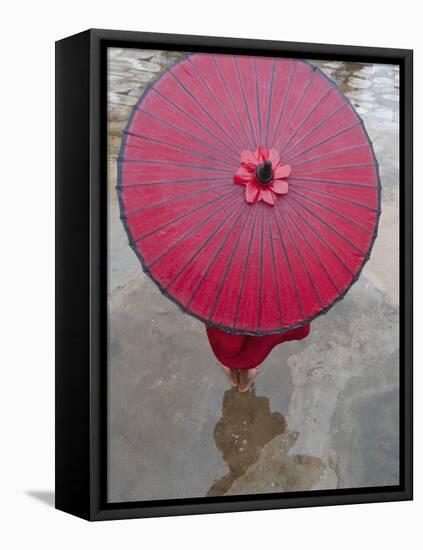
(369, 86)
(246, 426)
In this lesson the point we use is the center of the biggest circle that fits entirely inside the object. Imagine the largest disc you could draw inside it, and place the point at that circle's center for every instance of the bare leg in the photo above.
(246, 378)
(232, 375)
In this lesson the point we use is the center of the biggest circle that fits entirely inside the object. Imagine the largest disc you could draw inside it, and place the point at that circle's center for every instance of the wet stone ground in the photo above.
(323, 413)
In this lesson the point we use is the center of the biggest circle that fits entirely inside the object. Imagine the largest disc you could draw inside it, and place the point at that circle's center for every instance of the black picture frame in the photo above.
(81, 278)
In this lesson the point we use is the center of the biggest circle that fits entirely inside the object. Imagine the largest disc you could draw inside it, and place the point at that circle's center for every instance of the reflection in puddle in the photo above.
(246, 426)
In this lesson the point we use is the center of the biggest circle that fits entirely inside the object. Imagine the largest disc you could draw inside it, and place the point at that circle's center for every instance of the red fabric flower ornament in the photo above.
(263, 175)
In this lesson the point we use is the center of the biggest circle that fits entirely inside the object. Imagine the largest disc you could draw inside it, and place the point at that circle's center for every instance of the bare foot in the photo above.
(246, 378)
(232, 375)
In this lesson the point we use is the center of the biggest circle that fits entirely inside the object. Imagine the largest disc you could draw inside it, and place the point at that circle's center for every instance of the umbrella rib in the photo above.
(244, 270)
(324, 222)
(213, 95)
(335, 197)
(301, 233)
(174, 163)
(289, 267)
(335, 168)
(260, 271)
(300, 126)
(193, 119)
(269, 106)
(215, 256)
(312, 130)
(167, 182)
(331, 154)
(257, 101)
(285, 98)
(179, 147)
(197, 102)
(185, 215)
(294, 111)
(228, 265)
(329, 209)
(204, 244)
(337, 134)
(188, 234)
(184, 132)
(247, 107)
(333, 182)
(176, 199)
(229, 94)
(301, 257)
(319, 236)
(275, 271)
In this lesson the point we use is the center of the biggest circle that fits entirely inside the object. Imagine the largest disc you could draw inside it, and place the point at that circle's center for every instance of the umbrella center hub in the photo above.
(264, 172)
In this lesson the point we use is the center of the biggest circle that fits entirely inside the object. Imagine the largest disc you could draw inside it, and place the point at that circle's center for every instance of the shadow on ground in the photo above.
(46, 497)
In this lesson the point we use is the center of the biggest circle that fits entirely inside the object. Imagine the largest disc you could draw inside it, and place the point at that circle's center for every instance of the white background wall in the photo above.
(28, 32)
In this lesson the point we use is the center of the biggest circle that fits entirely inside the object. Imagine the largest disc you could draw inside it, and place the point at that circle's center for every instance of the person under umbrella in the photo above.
(250, 192)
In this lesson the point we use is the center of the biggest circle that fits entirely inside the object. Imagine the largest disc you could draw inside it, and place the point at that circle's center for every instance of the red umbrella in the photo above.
(249, 190)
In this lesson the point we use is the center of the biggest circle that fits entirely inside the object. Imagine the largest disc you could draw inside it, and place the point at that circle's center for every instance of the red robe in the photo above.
(238, 351)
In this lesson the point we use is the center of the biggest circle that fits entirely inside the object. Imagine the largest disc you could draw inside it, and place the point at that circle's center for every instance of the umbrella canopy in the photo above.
(249, 190)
